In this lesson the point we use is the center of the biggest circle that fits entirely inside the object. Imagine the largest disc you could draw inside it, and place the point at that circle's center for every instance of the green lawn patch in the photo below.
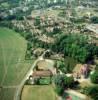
(45, 80)
(38, 92)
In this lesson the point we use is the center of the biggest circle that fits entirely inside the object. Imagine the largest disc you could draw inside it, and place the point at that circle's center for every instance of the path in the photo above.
(18, 90)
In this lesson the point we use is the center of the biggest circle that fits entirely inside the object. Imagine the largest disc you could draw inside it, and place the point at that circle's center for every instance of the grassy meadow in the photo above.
(38, 92)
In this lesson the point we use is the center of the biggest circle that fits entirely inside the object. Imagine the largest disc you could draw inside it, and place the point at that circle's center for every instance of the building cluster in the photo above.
(43, 72)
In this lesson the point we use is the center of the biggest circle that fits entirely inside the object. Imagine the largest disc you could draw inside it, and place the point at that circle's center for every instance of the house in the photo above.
(85, 70)
(81, 71)
(44, 73)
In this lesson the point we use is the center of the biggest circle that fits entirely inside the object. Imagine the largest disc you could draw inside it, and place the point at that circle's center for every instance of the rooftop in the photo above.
(42, 73)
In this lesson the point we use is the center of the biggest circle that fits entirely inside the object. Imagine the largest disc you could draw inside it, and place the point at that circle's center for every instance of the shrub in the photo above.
(68, 81)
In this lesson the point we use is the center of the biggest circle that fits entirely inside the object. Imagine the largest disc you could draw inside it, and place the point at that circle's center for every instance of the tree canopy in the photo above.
(76, 46)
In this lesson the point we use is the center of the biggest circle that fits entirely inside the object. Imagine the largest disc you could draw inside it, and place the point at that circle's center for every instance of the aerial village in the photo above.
(61, 39)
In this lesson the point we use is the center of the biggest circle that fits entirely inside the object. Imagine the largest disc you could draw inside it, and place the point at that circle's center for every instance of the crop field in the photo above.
(13, 65)
(39, 92)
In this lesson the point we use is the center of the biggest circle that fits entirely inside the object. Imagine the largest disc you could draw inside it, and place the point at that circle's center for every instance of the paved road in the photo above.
(18, 90)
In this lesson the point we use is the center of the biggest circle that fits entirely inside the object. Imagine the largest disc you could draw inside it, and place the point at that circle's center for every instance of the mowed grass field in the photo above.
(38, 92)
(13, 66)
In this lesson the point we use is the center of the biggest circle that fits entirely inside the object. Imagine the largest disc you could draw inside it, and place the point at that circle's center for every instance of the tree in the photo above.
(59, 84)
(59, 90)
(65, 66)
(94, 77)
(94, 19)
(62, 82)
(37, 21)
(96, 68)
(76, 46)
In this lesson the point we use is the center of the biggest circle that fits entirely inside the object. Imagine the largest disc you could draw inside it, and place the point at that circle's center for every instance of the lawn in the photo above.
(45, 80)
(39, 92)
(13, 65)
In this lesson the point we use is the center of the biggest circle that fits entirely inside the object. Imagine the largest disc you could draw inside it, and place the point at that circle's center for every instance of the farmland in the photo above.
(45, 92)
(13, 65)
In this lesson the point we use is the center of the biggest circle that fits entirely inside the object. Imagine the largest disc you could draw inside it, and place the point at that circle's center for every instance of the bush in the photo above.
(68, 81)
(94, 77)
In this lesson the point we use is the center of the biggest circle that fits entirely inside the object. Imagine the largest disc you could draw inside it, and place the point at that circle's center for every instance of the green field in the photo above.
(39, 92)
(13, 65)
